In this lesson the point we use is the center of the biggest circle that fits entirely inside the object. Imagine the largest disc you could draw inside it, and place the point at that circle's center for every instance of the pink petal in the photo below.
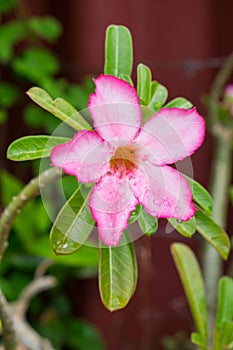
(86, 156)
(111, 203)
(115, 108)
(172, 134)
(168, 193)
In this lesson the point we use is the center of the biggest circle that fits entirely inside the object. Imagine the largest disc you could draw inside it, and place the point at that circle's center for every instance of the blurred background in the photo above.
(60, 46)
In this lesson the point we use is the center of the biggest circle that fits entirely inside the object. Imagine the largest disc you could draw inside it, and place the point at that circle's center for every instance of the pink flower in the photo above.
(127, 161)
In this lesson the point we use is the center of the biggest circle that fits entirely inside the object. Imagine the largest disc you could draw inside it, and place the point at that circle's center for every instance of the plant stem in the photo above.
(212, 263)
(31, 190)
(220, 179)
(10, 341)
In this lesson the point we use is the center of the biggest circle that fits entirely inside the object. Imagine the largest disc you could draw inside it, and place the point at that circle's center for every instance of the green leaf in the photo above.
(201, 196)
(117, 274)
(225, 301)
(8, 94)
(73, 224)
(159, 96)
(46, 27)
(10, 34)
(59, 108)
(85, 256)
(33, 147)
(135, 214)
(190, 274)
(88, 337)
(126, 78)
(213, 233)
(197, 340)
(147, 223)
(223, 333)
(7, 5)
(179, 102)
(36, 117)
(144, 84)
(118, 51)
(35, 64)
(226, 337)
(185, 228)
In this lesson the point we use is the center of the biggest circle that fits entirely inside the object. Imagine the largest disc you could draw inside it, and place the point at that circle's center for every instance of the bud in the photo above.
(228, 99)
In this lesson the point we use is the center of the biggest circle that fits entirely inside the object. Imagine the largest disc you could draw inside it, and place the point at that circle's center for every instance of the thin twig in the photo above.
(31, 290)
(9, 334)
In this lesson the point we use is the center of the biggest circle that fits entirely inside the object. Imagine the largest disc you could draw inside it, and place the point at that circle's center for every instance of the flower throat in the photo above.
(124, 159)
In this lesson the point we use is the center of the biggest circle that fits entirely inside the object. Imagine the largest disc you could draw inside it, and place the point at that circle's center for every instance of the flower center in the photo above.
(124, 159)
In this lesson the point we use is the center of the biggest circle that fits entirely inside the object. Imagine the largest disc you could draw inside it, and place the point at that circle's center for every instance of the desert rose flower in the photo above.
(128, 162)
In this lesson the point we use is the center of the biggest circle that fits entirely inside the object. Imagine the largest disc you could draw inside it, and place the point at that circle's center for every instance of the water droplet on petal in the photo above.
(157, 201)
(113, 242)
(123, 216)
(166, 203)
(110, 224)
(64, 246)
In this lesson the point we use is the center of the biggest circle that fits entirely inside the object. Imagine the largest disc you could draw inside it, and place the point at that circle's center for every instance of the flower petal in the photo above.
(172, 134)
(168, 193)
(86, 156)
(111, 203)
(115, 108)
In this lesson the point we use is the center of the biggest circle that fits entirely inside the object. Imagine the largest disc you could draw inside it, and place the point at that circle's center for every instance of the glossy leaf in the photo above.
(148, 224)
(190, 274)
(213, 233)
(85, 256)
(117, 274)
(179, 102)
(201, 196)
(185, 228)
(159, 96)
(118, 51)
(33, 147)
(73, 224)
(58, 107)
(144, 84)
(135, 214)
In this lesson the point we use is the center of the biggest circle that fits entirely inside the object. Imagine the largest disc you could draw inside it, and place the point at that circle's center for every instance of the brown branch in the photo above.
(9, 334)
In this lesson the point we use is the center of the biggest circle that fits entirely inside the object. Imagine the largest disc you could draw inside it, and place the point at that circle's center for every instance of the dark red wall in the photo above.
(178, 40)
